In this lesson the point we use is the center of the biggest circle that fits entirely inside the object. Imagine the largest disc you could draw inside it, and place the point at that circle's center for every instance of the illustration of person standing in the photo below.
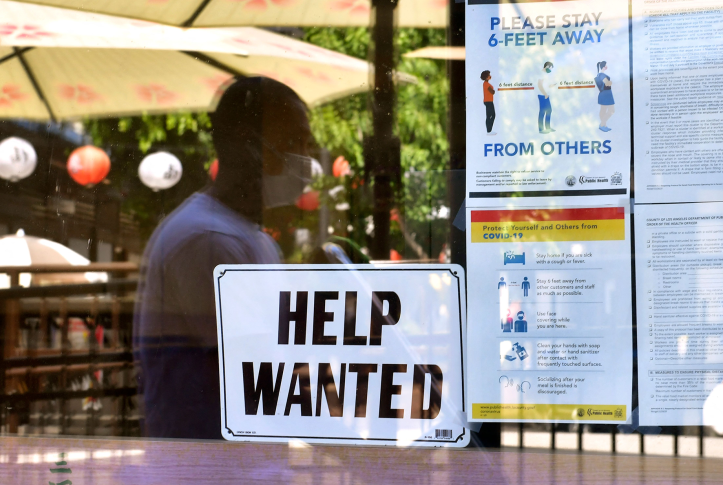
(525, 286)
(605, 96)
(489, 94)
(543, 96)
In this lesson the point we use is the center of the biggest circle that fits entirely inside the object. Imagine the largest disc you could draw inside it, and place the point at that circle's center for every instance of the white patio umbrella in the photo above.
(217, 13)
(21, 250)
(451, 53)
(64, 64)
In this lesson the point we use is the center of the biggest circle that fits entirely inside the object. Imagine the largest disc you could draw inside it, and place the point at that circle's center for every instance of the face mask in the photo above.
(548, 70)
(285, 189)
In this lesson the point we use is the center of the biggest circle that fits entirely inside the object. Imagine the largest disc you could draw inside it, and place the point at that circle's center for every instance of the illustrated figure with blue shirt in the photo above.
(605, 95)
(543, 96)
(520, 323)
(525, 286)
(501, 285)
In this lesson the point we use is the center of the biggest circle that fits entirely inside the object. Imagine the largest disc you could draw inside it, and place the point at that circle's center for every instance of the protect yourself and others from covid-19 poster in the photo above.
(549, 314)
(548, 100)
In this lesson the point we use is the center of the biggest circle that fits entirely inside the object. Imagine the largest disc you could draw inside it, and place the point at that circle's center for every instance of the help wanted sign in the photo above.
(363, 354)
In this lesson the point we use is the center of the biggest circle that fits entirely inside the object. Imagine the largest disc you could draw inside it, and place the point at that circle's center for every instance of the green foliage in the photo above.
(340, 126)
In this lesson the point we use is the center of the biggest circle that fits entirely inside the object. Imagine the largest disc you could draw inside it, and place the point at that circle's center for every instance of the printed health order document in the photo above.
(679, 269)
(678, 107)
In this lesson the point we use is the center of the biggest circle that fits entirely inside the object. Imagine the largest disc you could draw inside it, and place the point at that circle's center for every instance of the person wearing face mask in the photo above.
(261, 135)
(543, 96)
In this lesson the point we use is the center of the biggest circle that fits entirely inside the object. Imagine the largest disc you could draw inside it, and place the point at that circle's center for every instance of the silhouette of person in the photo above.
(520, 323)
(507, 323)
(260, 133)
(525, 286)
(501, 284)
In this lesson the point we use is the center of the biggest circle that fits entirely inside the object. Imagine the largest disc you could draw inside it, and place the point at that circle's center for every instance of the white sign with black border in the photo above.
(342, 354)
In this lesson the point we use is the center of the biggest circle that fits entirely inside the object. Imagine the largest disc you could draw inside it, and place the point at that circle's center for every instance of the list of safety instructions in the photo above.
(550, 314)
(679, 269)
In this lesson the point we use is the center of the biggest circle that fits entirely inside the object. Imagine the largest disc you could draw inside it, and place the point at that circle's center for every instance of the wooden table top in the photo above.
(29, 461)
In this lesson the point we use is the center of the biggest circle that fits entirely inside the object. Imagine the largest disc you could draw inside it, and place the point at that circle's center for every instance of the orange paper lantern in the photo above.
(308, 201)
(213, 170)
(88, 165)
(340, 167)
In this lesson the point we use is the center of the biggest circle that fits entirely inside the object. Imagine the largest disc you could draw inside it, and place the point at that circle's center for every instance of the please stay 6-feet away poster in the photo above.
(548, 100)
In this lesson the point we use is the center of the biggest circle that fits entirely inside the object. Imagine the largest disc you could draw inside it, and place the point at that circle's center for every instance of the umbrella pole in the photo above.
(383, 121)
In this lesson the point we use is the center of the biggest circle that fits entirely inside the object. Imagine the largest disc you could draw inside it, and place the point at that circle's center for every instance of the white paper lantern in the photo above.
(17, 159)
(160, 171)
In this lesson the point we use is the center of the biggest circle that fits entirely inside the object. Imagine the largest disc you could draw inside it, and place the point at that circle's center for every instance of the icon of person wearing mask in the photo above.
(544, 84)
(520, 323)
(261, 135)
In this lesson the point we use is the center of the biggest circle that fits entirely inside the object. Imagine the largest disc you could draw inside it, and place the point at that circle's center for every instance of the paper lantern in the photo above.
(17, 159)
(308, 201)
(213, 170)
(160, 171)
(316, 169)
(340, 167)
(88, 165)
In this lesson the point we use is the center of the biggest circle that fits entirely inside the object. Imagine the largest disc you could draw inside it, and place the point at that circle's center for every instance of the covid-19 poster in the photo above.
(548, 100)
(549, 334)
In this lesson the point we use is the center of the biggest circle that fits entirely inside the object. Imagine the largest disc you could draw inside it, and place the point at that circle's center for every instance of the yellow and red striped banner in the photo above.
(539, 225)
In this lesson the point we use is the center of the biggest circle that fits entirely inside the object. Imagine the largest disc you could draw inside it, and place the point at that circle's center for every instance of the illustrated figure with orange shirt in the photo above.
(489, 94)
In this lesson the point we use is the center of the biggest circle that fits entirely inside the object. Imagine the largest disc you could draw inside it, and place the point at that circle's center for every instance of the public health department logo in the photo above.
(616, 179)
(571, 180)
(592, 180)
(581, 412)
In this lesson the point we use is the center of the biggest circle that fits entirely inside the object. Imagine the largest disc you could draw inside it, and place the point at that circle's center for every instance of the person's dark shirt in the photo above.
(174, 323)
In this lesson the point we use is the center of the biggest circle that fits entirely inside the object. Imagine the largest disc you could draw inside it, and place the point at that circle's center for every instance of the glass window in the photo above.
(293, 238)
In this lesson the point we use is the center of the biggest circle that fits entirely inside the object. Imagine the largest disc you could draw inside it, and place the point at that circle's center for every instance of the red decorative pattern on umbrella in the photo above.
(156, 94)
(11, 94)
(262, 5)
(80, 93)
(353, 7)
(27, 32)
(316, 76)
(282, 79)
(215, 82)
(309, 51)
